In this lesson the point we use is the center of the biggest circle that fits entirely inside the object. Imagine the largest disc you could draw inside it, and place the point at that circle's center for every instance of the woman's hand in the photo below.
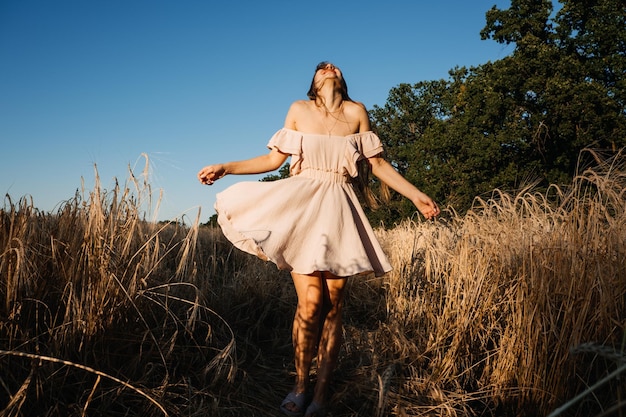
(211, 173)
(426, 205)
(387, 174)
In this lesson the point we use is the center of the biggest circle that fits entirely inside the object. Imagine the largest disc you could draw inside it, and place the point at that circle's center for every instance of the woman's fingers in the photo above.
(430, 209)
(206, 175)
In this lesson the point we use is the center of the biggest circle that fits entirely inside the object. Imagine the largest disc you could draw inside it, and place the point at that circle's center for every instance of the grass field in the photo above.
(516, 308)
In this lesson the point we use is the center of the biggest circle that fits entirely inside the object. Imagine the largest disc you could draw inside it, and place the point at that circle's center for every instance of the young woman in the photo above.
(312, 223)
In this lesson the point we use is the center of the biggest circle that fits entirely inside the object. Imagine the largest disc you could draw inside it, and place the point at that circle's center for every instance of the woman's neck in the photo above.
(329, 97)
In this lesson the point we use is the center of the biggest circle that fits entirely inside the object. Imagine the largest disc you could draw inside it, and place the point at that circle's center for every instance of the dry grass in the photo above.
(515, 309)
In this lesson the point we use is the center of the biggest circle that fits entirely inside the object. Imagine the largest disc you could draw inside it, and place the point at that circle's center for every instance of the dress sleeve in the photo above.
(360, 146)
(289, 142)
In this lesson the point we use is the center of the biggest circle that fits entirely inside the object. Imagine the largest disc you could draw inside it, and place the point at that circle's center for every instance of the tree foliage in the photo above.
(283, 172)
(517, 121)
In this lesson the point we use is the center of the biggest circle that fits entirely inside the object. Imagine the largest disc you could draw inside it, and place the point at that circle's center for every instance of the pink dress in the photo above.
(311, 221)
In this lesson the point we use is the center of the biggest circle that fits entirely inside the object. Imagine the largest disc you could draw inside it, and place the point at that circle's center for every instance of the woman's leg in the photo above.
(331, 333)
(317, 327)
(306, 324)
(306, 327)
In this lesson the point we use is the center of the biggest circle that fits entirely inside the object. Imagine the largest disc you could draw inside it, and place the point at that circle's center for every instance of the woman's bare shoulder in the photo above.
(355, 108)
(355, 105)
(301, 107)
(357, 112)
(301, 104)
(297, 111)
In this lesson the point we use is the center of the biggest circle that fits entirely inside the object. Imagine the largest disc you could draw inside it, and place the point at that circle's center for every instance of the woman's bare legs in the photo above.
(317, 324)
(331, 334)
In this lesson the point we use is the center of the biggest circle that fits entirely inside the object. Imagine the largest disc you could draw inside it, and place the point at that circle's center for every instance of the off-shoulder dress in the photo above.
(312, 220)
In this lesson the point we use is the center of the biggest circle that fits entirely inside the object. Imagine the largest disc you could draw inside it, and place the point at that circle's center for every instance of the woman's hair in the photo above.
(312, 94)
(363, 184)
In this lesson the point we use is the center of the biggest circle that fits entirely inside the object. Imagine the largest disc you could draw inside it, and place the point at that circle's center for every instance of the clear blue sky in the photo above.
(196, 82)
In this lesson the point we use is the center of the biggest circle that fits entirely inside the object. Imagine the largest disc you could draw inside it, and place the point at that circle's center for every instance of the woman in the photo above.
(311, 223)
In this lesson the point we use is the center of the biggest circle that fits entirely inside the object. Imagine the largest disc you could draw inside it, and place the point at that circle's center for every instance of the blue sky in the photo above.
(189, 83)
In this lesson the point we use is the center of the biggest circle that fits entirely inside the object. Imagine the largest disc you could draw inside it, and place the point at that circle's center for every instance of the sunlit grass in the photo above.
(513, 309)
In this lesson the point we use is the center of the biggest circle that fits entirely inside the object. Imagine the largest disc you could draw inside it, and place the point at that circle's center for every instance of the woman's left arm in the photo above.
(387, 174)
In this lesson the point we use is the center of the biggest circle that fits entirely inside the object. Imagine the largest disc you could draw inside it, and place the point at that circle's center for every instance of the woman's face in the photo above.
(326, 71)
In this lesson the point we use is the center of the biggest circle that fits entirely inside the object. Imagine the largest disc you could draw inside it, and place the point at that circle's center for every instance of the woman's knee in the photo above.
(333, 309)
(311, 307)
(335, 301)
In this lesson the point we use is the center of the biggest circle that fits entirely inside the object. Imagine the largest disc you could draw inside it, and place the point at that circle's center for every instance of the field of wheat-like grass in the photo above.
(517, 308)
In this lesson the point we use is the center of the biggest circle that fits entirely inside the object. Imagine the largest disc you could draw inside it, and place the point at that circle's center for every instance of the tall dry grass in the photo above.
(98, 316)
(484, 311)
(515, 309)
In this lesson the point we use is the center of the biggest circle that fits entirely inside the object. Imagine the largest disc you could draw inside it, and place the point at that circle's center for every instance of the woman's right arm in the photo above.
(264, 163)
(258, 165)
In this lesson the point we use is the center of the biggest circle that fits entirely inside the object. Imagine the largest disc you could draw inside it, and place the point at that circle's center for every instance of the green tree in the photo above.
(520, 120)
(566, 76)
(283, 172)
(593, 32)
